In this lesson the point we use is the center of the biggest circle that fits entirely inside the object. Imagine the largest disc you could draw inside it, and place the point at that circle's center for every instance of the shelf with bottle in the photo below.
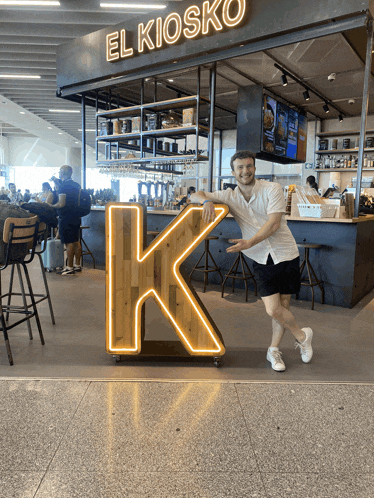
(341, 133)
(178, 132)
(342, 151)
(346, 161)
(342, 170)
(180, 103)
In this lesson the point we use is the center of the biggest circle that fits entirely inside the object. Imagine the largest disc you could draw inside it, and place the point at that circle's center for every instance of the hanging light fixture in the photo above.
(284, 80)
(326, 108)
(306, 95)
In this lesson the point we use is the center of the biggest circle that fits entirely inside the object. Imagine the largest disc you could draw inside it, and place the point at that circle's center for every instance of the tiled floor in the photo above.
(76, 425)
(67, 439)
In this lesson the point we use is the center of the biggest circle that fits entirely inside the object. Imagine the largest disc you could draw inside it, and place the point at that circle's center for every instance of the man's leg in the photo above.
(282, 316)
(70, 250)
(78, 253)
(278, 329)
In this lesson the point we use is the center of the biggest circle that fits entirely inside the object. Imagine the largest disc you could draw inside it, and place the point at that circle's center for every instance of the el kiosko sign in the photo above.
(211, 17)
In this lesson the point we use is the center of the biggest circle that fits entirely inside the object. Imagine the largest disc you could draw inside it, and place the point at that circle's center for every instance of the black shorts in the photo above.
(69, 229)
(283, 278)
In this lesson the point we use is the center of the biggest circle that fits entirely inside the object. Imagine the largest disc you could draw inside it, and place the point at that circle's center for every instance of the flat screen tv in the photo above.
(284, 130)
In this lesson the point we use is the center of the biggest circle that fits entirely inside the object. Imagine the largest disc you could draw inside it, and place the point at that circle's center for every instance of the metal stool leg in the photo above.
(33, 303)
(24, 298)
(227, 276)
(46, 289)
(250, 274)
(10, 290)
(6, 338)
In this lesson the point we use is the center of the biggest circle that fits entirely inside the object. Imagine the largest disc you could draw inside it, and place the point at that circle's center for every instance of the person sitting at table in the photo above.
(311, 182)
(46, 194)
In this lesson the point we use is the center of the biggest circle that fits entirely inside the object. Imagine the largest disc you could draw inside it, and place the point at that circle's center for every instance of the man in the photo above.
(68, 221)
(183, 201)
(258, 207)
(15, 197)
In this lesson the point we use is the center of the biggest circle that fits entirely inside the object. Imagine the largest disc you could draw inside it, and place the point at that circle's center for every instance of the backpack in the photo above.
(84, 203)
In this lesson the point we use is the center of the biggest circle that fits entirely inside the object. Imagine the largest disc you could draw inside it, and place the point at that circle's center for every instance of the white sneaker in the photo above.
(306, 349)
(275, 358)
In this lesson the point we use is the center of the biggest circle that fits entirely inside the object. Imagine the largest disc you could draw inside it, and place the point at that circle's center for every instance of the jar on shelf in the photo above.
(117, 125)
(153, 121)
(370, 142)
(323, 145)
(189, 116)
(135, 124)
(346, 143)
(126, 126)
(106, 128)
(171, 120)
(333, 143)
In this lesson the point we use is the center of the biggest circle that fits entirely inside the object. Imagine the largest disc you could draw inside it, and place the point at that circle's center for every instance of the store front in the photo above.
(206, 59)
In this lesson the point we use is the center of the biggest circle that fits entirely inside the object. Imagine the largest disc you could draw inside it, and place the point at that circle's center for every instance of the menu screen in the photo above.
(301, 138)
(270, 112)
(292, 134)
(284, 130)
(281, 129)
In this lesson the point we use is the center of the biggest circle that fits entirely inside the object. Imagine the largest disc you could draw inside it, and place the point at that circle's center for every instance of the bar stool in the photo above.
(246, 274)
(206, 268)
(86, 252)
(153, 233)
(312, 279)
(42, 233)
(19, 231)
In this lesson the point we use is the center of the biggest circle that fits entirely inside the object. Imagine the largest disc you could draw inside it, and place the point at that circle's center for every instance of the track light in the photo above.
(284, 80)
(306, 95)
(326, 108)
(340, 118)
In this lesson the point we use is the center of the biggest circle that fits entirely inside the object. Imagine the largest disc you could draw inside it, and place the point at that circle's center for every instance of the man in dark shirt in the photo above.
(69, 222)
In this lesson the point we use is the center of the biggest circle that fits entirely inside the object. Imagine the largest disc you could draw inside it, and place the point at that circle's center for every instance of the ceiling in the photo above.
(28, 41)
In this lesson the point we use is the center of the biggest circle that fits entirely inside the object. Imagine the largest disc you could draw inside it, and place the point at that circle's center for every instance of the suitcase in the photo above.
(53, 256)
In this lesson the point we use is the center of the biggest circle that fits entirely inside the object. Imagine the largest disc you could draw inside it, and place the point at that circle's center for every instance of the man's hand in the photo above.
(240, 245)
(209, 213)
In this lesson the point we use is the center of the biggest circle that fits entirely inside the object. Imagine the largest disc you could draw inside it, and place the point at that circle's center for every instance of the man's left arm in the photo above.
(270, 227)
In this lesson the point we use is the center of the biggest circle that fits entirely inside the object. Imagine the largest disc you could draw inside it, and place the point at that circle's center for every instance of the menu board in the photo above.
(281, 129)
(270, 112)
(284, 130)
(292, 133)
(301, 138)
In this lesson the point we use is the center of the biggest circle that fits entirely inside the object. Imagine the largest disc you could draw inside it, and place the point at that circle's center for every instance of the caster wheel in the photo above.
(117, 358)
(217, 362)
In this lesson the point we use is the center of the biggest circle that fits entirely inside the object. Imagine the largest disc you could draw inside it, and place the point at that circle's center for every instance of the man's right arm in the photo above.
(61, 202)
(204, 198)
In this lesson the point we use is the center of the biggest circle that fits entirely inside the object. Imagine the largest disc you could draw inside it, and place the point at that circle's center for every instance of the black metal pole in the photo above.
(364, 113)
(97, 126)
(211, 124)
(84, 151)
(219, 161)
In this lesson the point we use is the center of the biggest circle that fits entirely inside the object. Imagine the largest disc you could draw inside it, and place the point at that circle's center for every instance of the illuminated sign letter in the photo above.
(134, 274)
(112, 46)
(125, 52)
(192, 21)
(233, 21)
(209, 16)
(159, 32)
(178, 28)
(143, 36)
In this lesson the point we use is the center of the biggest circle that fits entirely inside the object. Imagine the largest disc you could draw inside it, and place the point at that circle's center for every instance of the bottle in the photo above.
(366, 161)
(342, 162)
(350, 162)
(327, 162)
(345, 162)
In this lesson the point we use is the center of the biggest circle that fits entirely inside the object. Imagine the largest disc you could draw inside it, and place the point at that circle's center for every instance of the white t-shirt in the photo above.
(267, 198)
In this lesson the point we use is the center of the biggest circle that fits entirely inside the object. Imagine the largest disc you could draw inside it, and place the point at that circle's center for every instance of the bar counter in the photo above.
(345, 263)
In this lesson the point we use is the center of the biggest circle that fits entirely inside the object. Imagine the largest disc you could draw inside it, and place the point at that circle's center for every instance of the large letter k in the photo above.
(133, 274)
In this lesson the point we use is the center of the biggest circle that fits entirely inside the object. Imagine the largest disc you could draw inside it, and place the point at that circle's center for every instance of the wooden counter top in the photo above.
(368, 217)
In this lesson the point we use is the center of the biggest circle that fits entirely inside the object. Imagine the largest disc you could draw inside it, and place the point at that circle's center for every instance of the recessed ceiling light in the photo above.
(171, 81)
(50, 128)
(80, 129)
(132, 6)
(21, 76)
(77, 142)
(62, 110)
(24, 3)
(60, 133)
(22, 112)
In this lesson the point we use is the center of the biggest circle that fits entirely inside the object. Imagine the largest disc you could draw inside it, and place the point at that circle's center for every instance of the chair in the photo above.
(42, 234)
(87, 251)
(19, 231)
(312, 279)
(246, 274)
(206, 268)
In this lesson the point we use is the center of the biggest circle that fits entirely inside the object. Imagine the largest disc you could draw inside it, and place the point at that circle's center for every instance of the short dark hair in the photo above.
(242, 154)
(11, 184)
(191, 189)
(311, 179)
